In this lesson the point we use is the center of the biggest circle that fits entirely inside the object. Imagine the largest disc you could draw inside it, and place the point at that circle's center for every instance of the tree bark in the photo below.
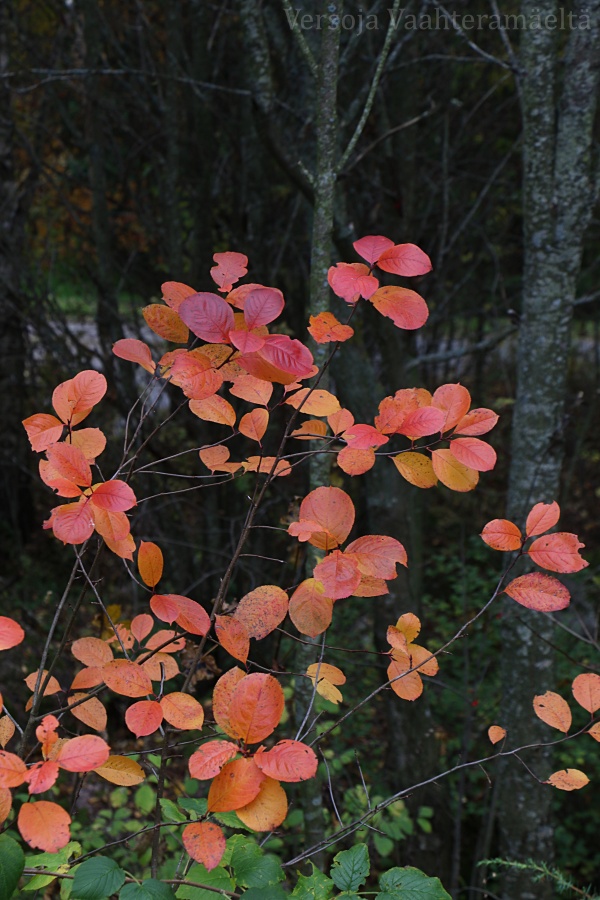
(557, 205)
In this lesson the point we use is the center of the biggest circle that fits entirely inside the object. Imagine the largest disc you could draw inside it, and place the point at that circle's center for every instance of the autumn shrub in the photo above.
(191, 786)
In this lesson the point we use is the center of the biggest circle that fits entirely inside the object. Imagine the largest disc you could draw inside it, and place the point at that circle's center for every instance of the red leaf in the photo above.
(405, 308)
(338, 574)
(377, 555)
(406, 684)
(194, 374)
(82, 754)
(364, 437)
(233, 637)
(473, 453)
(128, 678)
(288, 355)
(174, 293)
(404, 259)
(114, 495)
(500, 534)
(44, 825)
(42, 776)
(166, 607)
(209, 316)
(135, 351)
(210, 758)
(372, 246)
(144, 717)
(540, 592)
(558, 552)
(421, 422)
(256, 707)
(11, 633)
(74, 399)
(43, 430)
(289, 761)
(542, 517)
(204, 842)
(71, 523)
(192, 617)
(231, 266)
(141, 625)
(13, 770)
(262, 305)
(350, 281)
(246, 341)
(325, 328)
(60, 486)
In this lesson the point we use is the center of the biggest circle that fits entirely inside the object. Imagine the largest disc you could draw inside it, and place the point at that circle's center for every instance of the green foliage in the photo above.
(12, 862)
(148, 890)
(96, 879)
(409, 883)
(351, 868)
(541, 872)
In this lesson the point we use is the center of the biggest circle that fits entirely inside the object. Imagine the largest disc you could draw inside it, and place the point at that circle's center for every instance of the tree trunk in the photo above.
(558, 201)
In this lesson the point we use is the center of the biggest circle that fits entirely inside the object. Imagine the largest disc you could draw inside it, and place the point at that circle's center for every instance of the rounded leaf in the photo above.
(210, 758)
(474, 453)
(333, 510)
(135, 351)
(500, 534)
(586, 690)
(12, 770)
(553, 710)
(92, 712)
(82, 754)
(144, 717)
(558, 552)
(540, 592)
(209, 316)
(11, 633)
(256, 707)
(454, 401)
(405, 308)
(496, 733)
(165, 322)
(288, 761)
(542, 517)
(236, 785)
(121, 770)
(262, 305)
(233, 637)
(91, 651)
(416, 468)
(127, 678)
(404, 259)
(268, 809)
(452, 473)
(222, 696)
(372, 246)
(310, 610)
(262, 610)
(568, 780)
(204, 842)
(150, 563)
(182, 711)
(44, 825)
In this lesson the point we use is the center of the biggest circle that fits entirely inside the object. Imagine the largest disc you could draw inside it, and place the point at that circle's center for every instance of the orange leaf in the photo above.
(204, 842)
(409, 625)
(175, 292)
(214, 409)
(135, 351)
(233, 637)
(553, 710)
(500, 534)
(314, 402)
(5, 804)
(586, 690)
(91, 651)
(310, 430)
(540, 592)
(266, 466)
(454, 401)
(333, 510)
(44, 825)
(262, 610)
(568, 780)
(7, 730)
(594, 731)
(158, 641)
(158, 666)
(407, 686)
(166, 606)
(371, 587)
(236, 785)
(194, 374)
(210, 758)
(182, 711)
(339, 575)
(325, 328)
(121, 770)
(59, 485)
(74, 399)
(53, 687)
(558, 552)
(215, 459)
(82, 754)
(42, 776)
(254, 424)
(252, 389)
(476, 422)
(310, 610)
(421, 659)
(475, 454)
(43, 430)
(256, 707)
(112, 526)
(287, 761)
(144, 717)
(71, 523)
(87, 678)
(269, 808)
(356, 462)
(416, 469)
(542, 517)
(496, 733)
(377, 555)
(150, 563)
(127, 678)
(452, 473)
(92, 713)
(11, 633)
(405, 308)
(70, 463)
(124, 548)
(12, 770)
(192, 617)
(91, 442)
(166, 323)
(340, 421)
(222, 696)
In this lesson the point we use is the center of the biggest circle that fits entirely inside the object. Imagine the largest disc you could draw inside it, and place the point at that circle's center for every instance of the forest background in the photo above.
(138, 139)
